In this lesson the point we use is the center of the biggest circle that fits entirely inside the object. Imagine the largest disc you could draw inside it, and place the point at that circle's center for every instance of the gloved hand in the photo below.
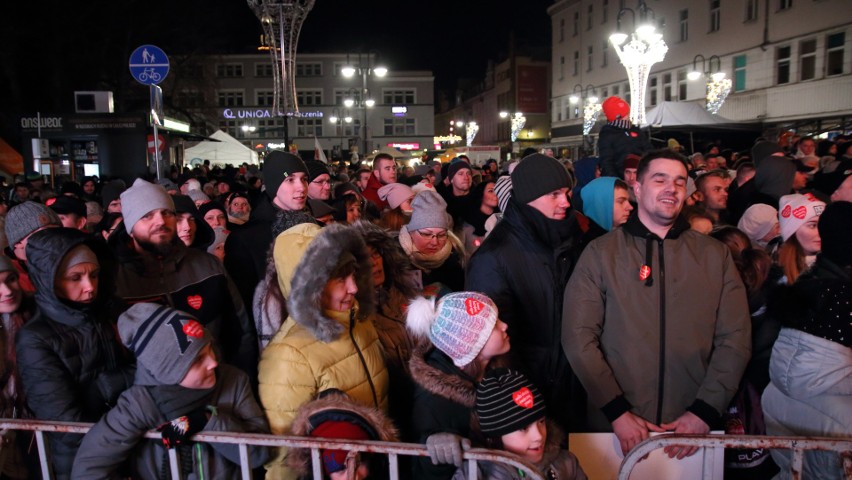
(176, 431)
(446, 448)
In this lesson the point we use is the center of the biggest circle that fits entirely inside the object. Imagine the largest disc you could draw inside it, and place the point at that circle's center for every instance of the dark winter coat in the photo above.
(73, 367)
(519, 267)
(444, 397)
(614, 144)
(190, 281)
(118, 436)
(246, 249)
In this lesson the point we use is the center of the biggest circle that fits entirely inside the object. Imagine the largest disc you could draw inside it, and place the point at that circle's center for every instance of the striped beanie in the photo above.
(506, 401)
(459, 325)
(165, 341)
(503, 190)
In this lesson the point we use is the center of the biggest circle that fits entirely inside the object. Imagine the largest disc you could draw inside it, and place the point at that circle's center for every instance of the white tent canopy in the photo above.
(228, 150)
(683, 114)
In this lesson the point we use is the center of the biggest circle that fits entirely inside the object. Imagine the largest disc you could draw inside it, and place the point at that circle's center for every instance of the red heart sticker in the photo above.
(473, 306)
(193, 329)
(800, 212)
(786, 212)
(644, 272)
(523, 398)
(194, 301)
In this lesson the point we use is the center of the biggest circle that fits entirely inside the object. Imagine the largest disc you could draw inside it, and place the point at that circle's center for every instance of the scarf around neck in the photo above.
(422, 260)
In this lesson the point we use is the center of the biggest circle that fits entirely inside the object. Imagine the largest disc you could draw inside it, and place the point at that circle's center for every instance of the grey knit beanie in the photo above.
(26, 218)
(165, 341)
(140, 199)
(538, 175)
(430, 211)
(198, 196)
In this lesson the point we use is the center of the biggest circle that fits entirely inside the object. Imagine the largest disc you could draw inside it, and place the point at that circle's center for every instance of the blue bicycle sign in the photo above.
(149, 65)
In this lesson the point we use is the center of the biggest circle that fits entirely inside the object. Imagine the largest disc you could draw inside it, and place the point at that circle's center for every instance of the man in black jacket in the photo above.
(618, 138)
(523, 266)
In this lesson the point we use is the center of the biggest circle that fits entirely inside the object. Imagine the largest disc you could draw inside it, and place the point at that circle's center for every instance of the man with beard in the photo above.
(239, 208)
(155, 266)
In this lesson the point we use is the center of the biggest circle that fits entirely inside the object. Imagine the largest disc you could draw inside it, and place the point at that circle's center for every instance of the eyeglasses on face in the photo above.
(432, 236)
(322, 182)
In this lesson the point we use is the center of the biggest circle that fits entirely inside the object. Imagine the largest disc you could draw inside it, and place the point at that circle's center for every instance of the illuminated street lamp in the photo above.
(644, 48)
(718, 87)
(365, 67)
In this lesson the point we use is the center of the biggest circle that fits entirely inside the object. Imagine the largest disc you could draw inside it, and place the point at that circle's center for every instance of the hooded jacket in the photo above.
(523, 266)
(371, 193)
(772, 180)
(316, 349)
(191, 281)
(118, 436)
(677, 340)
(299, 459)
(72, 365)
(615, 141)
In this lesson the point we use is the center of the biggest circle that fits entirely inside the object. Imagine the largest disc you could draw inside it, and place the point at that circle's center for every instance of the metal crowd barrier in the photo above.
(798, 445)
(243, 440)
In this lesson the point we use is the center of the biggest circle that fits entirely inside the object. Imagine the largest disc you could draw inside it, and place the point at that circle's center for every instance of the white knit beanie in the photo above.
(796, 210)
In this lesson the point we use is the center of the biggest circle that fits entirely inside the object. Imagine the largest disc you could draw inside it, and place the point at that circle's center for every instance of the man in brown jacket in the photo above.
(655, 320)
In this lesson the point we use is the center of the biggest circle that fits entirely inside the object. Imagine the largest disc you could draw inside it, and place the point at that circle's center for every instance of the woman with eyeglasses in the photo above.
(436, 252)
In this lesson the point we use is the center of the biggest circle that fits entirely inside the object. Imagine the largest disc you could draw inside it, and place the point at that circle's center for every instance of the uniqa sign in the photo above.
(264, 113)
(43, 122)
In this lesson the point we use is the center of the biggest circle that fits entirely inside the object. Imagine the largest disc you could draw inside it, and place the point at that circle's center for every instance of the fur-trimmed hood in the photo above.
(313, 272)
(398, 268)
(299, 459)
(457, 387)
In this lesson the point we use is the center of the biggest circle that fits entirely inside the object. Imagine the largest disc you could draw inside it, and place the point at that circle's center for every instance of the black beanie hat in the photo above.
(184, 204)
(214, 205)
(456, 165)
(278, 166)
(835, 233)
(506, 401)
(538, 175)
(315, 169)
(763, 149)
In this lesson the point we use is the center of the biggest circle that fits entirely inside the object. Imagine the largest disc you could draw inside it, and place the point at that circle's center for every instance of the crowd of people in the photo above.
(501, 305)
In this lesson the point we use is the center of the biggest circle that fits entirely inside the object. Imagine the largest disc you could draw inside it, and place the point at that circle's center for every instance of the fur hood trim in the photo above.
(452, 387)
(314, 271)
(299, 459)
(398, 268)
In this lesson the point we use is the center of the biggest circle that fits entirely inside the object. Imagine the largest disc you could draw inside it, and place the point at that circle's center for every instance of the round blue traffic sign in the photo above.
(149, 65)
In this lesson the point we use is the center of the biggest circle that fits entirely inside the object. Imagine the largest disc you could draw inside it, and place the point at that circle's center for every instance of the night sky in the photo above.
(51, 48)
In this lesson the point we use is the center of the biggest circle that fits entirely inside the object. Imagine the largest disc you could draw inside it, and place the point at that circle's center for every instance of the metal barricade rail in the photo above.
(244, 440)
(798, 445)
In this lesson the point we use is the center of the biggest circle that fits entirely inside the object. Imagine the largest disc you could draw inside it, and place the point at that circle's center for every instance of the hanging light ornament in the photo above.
(590, 116)
(472, 130)
(518, 122)
(717, 92)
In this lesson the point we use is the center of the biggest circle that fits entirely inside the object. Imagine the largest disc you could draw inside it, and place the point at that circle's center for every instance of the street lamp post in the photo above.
(718, 87)
(645, 48)
(365, 68)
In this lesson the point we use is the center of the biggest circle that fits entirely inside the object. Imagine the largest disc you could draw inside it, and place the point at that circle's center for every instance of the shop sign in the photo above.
(43, 122)
(234, 113)
(405, 146)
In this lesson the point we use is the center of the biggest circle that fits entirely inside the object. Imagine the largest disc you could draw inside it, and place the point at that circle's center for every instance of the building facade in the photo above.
(239, 101)
(789, 60)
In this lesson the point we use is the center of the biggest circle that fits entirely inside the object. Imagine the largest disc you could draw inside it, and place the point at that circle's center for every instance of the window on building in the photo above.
(604, 53)
(653, 90)
(341, 93)
(615, 90)
(834, 53)
(309, 127)
(590, 56)
(264, 98)
(590, 16)
(751, 10)
(785, 4)
(627, 97)
(561, 29)
(269, 128)
(309, 97)
(576, 62)
(561, 68)
(399, 126)
(263, 70)
(667, 87)
(715, 15)
(807, 59)
(229, 70)
(576, 23)
(604, 11)
(352, 129)
(782, 64)
(684, 25)
(230, 99)
(193, 70)
(681, 85)
(739, 73)
(229, 127)
(403, 96)
(309, 69)
(661, 23)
